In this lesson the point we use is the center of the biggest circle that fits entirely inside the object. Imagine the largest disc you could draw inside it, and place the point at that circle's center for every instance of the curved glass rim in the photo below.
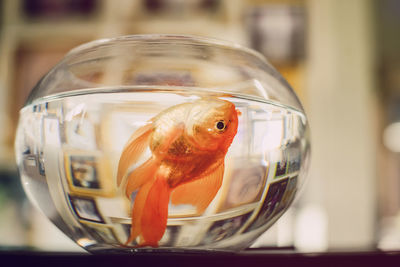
(159, 39)
(166, 37)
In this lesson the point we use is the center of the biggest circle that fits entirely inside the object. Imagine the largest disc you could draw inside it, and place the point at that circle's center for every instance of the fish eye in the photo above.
(220, 125)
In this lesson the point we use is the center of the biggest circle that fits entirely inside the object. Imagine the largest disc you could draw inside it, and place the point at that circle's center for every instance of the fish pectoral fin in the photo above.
(201, 191)
(155, 215)
(133, 150)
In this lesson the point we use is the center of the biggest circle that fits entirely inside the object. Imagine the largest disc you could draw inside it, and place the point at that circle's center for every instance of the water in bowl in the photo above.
(68, 148)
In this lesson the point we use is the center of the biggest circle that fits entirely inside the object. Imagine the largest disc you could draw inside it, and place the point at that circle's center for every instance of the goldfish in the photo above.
(188, 144)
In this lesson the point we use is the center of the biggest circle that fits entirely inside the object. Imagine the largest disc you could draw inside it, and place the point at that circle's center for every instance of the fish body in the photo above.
(188, 144)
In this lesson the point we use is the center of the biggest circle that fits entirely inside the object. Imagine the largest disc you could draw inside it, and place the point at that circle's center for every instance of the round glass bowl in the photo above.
(162, 142)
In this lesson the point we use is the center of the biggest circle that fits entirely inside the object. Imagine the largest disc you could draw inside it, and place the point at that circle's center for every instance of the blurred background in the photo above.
(341, 57)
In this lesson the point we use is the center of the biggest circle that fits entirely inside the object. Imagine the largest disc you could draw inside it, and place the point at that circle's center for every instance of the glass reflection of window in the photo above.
(273, 136)
(241, 143)
(259, 132)
(288, 131)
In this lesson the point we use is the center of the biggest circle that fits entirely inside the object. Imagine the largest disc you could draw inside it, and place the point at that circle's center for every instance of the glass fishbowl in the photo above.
(162, 143)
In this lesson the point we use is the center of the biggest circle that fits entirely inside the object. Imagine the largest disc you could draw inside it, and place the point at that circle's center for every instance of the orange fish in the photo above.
(188, 144)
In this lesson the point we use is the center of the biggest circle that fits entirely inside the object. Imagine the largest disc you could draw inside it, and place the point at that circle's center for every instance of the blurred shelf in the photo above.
(31, 42)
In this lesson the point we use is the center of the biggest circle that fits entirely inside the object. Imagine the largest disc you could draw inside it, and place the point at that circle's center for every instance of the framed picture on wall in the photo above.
(85, 209)
(281, 167)
(225, 228)
(245, 184)
(88, 174)
(268, 209)
(101, 231)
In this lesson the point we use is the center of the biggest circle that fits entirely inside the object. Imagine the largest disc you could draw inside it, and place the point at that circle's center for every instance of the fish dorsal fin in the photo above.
(133, 150)
(199, 192)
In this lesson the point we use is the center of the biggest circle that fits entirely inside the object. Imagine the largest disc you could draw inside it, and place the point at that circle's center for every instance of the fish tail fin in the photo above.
(133, 150)
(199, 192)
(154, 219)
(137, 212)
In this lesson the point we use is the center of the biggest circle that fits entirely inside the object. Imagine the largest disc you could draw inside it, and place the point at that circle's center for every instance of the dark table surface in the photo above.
(251, 257)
